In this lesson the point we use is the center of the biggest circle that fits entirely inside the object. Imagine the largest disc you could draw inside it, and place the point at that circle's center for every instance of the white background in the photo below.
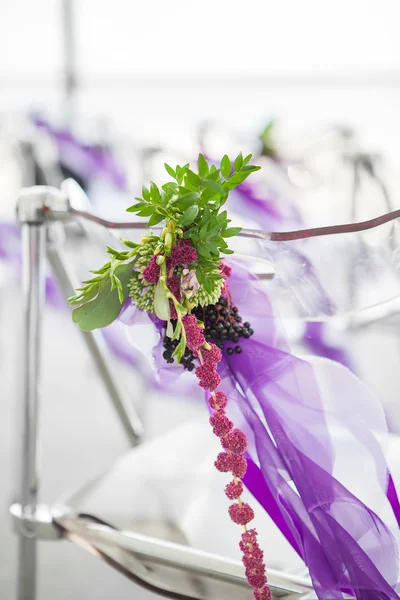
(155, 69)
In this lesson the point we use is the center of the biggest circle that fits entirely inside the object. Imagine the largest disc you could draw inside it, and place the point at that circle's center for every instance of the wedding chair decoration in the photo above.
(301, 435)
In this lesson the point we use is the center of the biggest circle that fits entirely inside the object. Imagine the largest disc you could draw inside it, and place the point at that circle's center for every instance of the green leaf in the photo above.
(170, 171)
(154, 219)
(136, 207)
(170, 330)
(214, 186)
(155, 193)
(170, 188)
(202, 166)
(250, 168)
(208, 285)
(145, 193)
(85, 297)
(212, 247)
(203, 230)
(200, 276)
(146, 211)
(117, 283)
(203, 251)
(237, 165)
(161, 303)
(179, 350)
(226, 166)
(189, 215)
(237, 178)
(106, 306)
(231, 231)
(102, 269)
(177, 331)
(118, 255)
(128, 243)
(187, 199)
(193, 178)
(179, 174)
(214, 174)
(247, 159)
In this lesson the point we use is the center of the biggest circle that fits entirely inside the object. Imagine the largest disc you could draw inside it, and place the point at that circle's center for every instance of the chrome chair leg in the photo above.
(33, 248)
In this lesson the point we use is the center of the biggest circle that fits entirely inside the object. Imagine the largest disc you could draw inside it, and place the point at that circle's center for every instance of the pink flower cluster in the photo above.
(208, 376)
(174, 286)
(226, 270)
(214, 354)
(220, 423)
(207, 372)
(182, 254)
(194, 337)
(253, 560)
(241, 514)
(152, 272)
(234, 490)
(218, 400)
(234, 442)
(235, 463)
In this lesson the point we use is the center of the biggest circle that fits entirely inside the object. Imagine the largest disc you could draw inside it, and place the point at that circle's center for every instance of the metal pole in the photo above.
(33, 248)
(70, 78)
(95, 342)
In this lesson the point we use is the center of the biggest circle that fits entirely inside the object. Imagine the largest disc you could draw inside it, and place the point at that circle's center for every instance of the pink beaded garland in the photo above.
(234, 490)
(214, 354)
(208, 376)
(242, 515)
(220, 423)
(223, 462)
(220, 401)
(238, 465)
(194, 337)
(263, 594)
(235, 441)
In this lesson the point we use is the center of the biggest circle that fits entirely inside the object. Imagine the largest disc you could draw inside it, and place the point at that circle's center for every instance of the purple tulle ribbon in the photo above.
(314, 339)
(344, 543)
(84, 159)
(276, 398)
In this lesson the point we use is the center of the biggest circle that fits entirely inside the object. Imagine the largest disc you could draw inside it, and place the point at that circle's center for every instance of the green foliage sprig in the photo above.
(193, 203)
(192, 206)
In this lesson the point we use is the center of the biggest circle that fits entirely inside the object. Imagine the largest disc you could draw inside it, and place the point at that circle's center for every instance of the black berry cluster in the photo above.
(223, 324)
(169, 347)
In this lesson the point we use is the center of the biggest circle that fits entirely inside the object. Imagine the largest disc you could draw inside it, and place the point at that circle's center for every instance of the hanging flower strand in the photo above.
(179, 277)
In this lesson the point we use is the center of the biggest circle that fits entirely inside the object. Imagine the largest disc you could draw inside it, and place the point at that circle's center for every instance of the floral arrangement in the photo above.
(179, 277)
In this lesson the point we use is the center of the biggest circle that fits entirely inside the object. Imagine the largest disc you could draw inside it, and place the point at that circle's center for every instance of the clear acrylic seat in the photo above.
(158, 516)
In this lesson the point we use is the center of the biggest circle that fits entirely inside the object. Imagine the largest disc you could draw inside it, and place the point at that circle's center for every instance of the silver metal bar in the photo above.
(69, 71)
(95, 342)
(33, 248)
(170, 567)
